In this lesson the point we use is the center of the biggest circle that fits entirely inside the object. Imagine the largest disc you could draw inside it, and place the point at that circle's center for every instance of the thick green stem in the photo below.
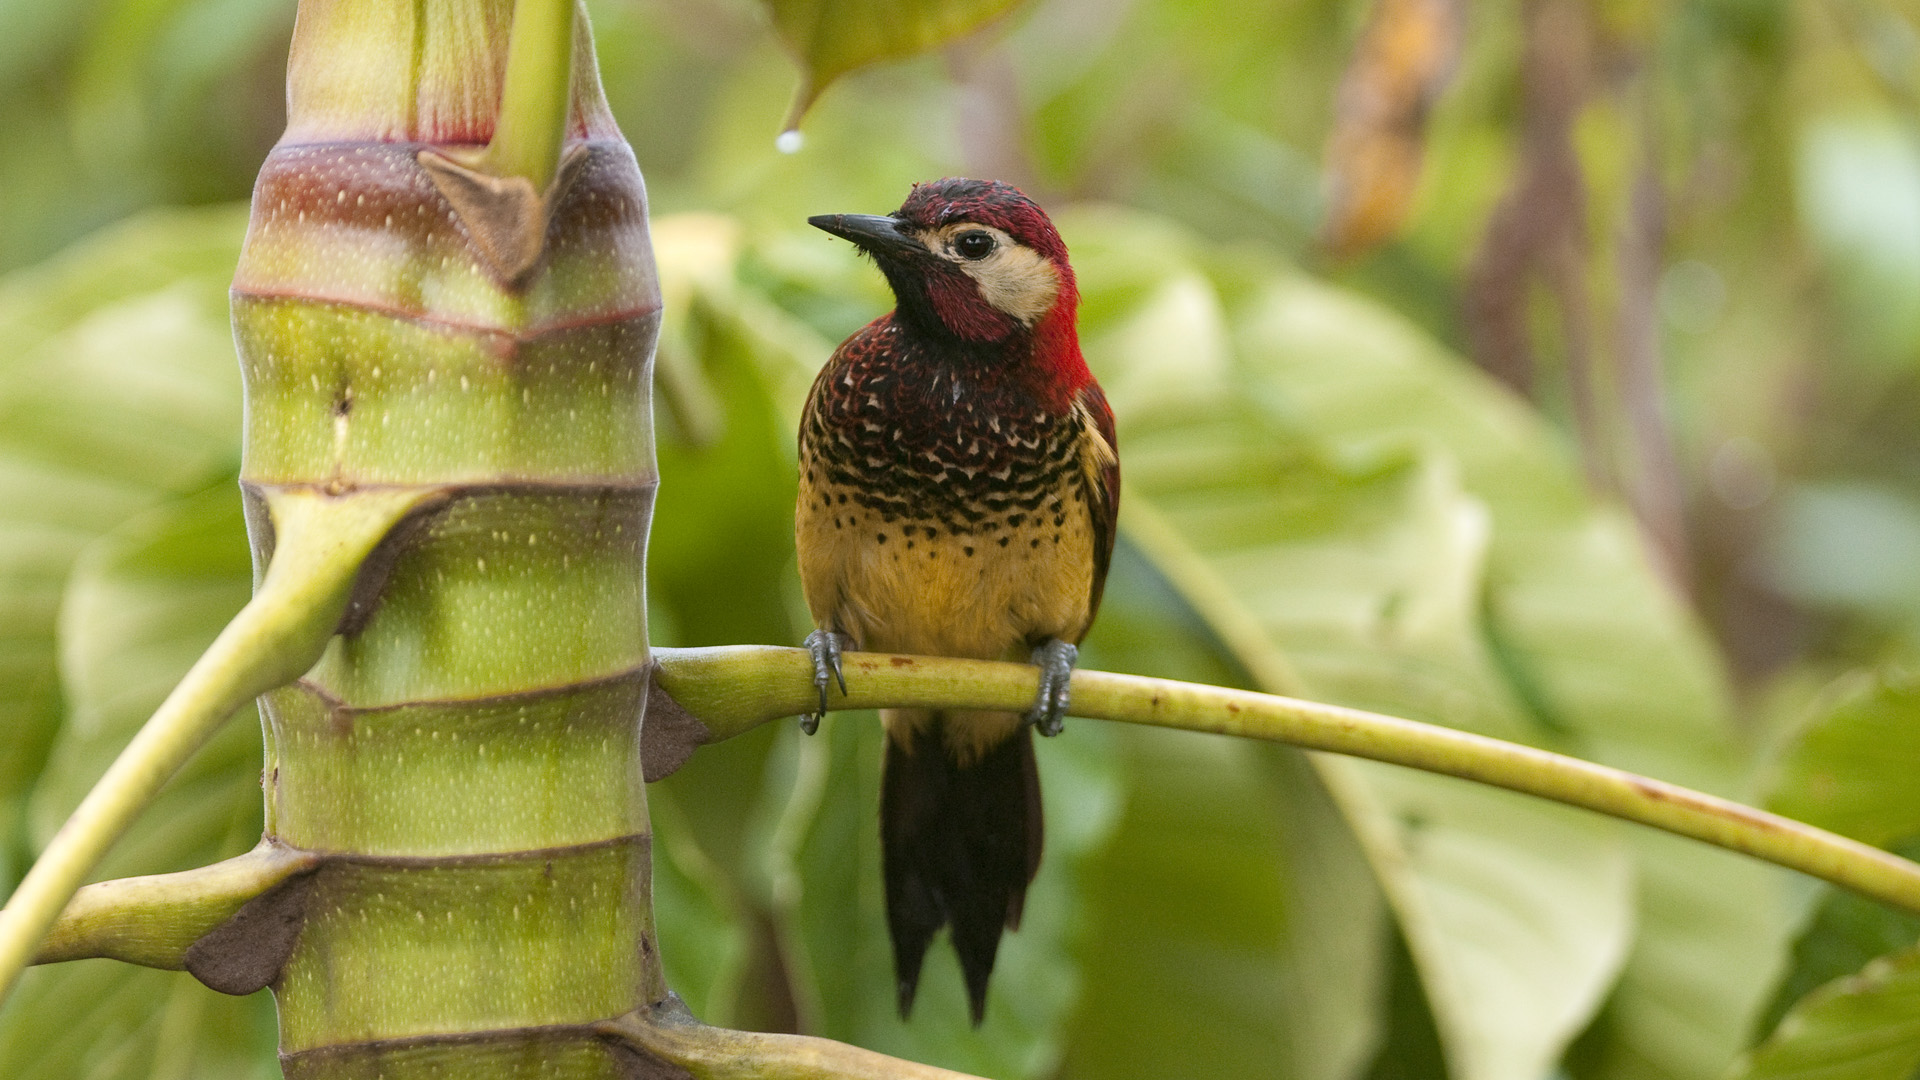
(464, 760)
(733, 689)
(152, 921)
(533, 104)
(322, 542)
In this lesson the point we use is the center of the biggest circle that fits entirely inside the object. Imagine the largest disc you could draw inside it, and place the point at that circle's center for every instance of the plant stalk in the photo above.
(153, 920)
(733, 689)
(533, 104)
(279, 634)
(670, 1034)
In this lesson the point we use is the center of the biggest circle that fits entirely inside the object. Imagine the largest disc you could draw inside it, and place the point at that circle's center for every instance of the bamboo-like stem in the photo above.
(670, 1034)
(737, 688)
(276, 637)
(533, 103)
(152, 920)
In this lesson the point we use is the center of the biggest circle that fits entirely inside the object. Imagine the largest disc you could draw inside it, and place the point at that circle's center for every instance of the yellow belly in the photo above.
(915, 587)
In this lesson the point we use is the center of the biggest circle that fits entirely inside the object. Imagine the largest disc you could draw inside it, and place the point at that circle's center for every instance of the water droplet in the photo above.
(789, 142)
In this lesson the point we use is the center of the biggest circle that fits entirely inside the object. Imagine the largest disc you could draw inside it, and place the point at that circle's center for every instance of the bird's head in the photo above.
(976, 261)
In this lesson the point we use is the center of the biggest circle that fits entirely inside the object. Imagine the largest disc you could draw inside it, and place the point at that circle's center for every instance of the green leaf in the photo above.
(1233, 924)
(1711, 946)
(703, 939)
(1591, 647)
(143, 603)
(1856, 178)
(118, 389)
(1359, 580)
(824, 862)
(1851, 767)
(1241, 930)
(1846, 932)
(1864, 1027)
(829, 38)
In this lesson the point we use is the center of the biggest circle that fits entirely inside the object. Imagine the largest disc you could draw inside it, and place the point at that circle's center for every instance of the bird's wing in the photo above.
(1100, 464)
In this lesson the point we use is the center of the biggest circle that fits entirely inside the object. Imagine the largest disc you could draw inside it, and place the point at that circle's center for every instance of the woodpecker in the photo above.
(959, 485)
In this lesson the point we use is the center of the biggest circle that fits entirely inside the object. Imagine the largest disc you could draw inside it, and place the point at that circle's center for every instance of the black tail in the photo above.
(958, 844)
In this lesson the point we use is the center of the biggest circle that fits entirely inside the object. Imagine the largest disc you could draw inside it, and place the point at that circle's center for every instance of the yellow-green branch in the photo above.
(731, 690)
(538, 89)
(151, 921)
(671, 1034)
(323, 540)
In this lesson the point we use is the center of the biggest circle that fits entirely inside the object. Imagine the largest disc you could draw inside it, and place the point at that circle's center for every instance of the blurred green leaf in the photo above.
(1568, 608)
(823, 853)
(1712, 941)
(1359, 581)
(142, 604)
(1233, 926)
(1859, 186)
(1849, 546)
(829, 38)
(703, 941)
(1851, 768)
(115, 105)
(1846, 932)
(1863, 1027)
(118, 389)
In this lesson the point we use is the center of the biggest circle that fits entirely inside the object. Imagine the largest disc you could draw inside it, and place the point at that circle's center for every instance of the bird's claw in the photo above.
(1055, 659)
(825, 646)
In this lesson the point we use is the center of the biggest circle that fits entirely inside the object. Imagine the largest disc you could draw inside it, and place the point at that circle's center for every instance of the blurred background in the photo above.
(1546, 368)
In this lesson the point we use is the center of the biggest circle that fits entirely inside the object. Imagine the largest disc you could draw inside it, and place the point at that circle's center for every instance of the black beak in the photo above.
(880, 236)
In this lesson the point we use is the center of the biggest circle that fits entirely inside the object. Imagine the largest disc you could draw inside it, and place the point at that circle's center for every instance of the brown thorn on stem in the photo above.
(504, 216)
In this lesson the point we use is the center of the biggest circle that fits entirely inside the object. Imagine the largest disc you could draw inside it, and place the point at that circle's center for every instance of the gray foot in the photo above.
(825, 645)
(1055, 659)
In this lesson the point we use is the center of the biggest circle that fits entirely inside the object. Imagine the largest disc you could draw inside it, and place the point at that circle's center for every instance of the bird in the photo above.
(958, 493)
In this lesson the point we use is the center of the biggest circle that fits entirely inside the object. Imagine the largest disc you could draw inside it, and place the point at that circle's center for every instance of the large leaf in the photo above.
(823, 854)
(1851, 767)
(1360, 581)
(1355, 514)
(1864, 1027)
(1233, 927)
(142, 604)
(1600, 654)
(118, 389)
(832, 37)
(1846, 932)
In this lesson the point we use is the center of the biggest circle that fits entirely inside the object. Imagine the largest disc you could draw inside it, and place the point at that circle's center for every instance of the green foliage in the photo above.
(1845, 933)
(1866, 1027)
(1849, 1006)
(1348, 554)
(829, 38)
(118, 391)
(141, 605)
(1323, 498)
(1852, 768)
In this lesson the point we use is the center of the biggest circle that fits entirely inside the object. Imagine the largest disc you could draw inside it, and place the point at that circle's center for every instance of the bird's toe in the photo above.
(825, 647)
(1055, 659)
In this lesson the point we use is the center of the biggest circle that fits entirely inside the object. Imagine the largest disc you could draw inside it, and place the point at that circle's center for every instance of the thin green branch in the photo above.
(733, 689)
(539, 88)
(151, 921)
(671, 1034)
(322, 541)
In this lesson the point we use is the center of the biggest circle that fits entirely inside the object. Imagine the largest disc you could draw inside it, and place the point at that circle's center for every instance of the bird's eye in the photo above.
(974, 245)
